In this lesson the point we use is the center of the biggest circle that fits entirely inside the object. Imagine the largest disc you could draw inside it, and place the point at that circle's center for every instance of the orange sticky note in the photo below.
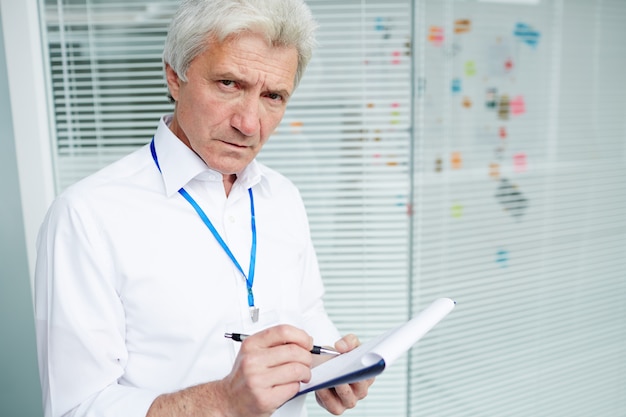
(456, 160)
(462, 26)
(494, 171)
(436, 35)
(296, 127)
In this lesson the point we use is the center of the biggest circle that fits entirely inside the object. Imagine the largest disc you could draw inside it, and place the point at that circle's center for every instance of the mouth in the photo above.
(233, 144)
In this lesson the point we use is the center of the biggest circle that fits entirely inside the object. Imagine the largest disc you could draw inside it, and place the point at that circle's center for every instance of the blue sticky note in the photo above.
(526, 34)
(456, 85)
(380, 24)
(502, 258)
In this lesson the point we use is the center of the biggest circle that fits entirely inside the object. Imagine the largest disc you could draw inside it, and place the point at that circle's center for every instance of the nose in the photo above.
(246, 117)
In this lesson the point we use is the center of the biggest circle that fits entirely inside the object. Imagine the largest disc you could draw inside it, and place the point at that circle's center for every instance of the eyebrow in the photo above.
(228, 75)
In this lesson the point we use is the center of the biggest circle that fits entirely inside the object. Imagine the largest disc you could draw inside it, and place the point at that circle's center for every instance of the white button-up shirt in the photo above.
(134, 294)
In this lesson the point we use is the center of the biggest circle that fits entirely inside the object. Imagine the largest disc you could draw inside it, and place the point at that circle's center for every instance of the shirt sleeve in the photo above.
(80, 319)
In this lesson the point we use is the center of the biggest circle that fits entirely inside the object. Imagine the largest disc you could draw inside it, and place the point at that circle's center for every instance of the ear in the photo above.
(173, 81)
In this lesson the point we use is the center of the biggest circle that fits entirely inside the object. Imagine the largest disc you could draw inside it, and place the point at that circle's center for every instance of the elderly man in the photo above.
(144, 266)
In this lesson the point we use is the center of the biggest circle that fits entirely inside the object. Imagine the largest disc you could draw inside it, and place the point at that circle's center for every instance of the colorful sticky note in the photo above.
(491, 98)
(380, 24)
(395, 113)
(296, 127)
(527, 34)
(503, 107)
(395, 117)
(462, 26)
(494, 171)
(520, 162)
(457, 210)
(436, 35)
(456, 161)
(395, 60)
(438, 165)
(502, 258)
(456, 85)
(470, 68)
(503, 132)
(517, 106)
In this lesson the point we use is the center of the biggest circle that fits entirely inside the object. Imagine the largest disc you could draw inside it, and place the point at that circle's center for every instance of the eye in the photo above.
(227, 83)
(274, 96)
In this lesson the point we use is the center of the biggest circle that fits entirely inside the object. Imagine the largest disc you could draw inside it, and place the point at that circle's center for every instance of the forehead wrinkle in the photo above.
(273, 68)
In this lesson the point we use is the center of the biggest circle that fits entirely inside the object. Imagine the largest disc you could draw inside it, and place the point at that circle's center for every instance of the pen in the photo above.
(318, 350)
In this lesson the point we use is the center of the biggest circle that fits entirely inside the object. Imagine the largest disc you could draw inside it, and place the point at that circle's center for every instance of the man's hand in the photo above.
(267, 372)
(342, 397)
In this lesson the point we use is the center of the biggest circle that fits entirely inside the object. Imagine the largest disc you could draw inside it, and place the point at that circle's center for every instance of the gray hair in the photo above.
(282, 22)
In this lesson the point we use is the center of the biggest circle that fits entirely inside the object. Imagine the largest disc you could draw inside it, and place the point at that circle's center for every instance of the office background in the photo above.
(470, 149)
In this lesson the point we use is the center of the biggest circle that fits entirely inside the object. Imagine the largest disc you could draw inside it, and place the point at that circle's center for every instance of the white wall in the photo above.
(20, 394)
(27, 99)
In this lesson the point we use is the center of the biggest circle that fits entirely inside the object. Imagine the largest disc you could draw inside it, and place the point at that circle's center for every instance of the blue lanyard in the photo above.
(250, 277)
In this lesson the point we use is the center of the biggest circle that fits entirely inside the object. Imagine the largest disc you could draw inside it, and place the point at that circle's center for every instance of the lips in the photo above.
(233, 144)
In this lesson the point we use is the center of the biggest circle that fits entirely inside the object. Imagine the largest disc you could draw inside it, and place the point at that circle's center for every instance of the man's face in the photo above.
(234, 97)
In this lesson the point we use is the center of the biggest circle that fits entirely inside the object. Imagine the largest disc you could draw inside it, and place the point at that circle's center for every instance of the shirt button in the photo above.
(231, 219)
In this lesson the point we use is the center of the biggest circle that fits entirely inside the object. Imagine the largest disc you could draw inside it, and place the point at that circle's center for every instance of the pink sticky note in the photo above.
(520, 162)
(517, 106)
(436, 35)
(396, 57)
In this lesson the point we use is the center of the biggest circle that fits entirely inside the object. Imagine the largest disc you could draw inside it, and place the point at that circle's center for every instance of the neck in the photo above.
(229, 180)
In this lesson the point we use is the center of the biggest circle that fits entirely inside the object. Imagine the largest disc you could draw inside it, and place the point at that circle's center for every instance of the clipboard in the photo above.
(373, 357)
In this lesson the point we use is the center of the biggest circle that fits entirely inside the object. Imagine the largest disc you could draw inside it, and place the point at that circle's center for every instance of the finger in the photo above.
(342, 397)
(346, 395)
(347, 343)
(274, 356)
(329, 400)
(281, 335)
(360, 389)
(336, 400)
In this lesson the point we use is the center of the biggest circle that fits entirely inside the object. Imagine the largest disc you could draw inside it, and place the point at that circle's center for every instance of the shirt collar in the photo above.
(179, 164)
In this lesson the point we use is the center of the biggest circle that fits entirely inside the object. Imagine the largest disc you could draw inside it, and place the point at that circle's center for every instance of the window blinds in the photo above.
(107, 85)
(443, 148)
(519, 186)
(344, 142)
